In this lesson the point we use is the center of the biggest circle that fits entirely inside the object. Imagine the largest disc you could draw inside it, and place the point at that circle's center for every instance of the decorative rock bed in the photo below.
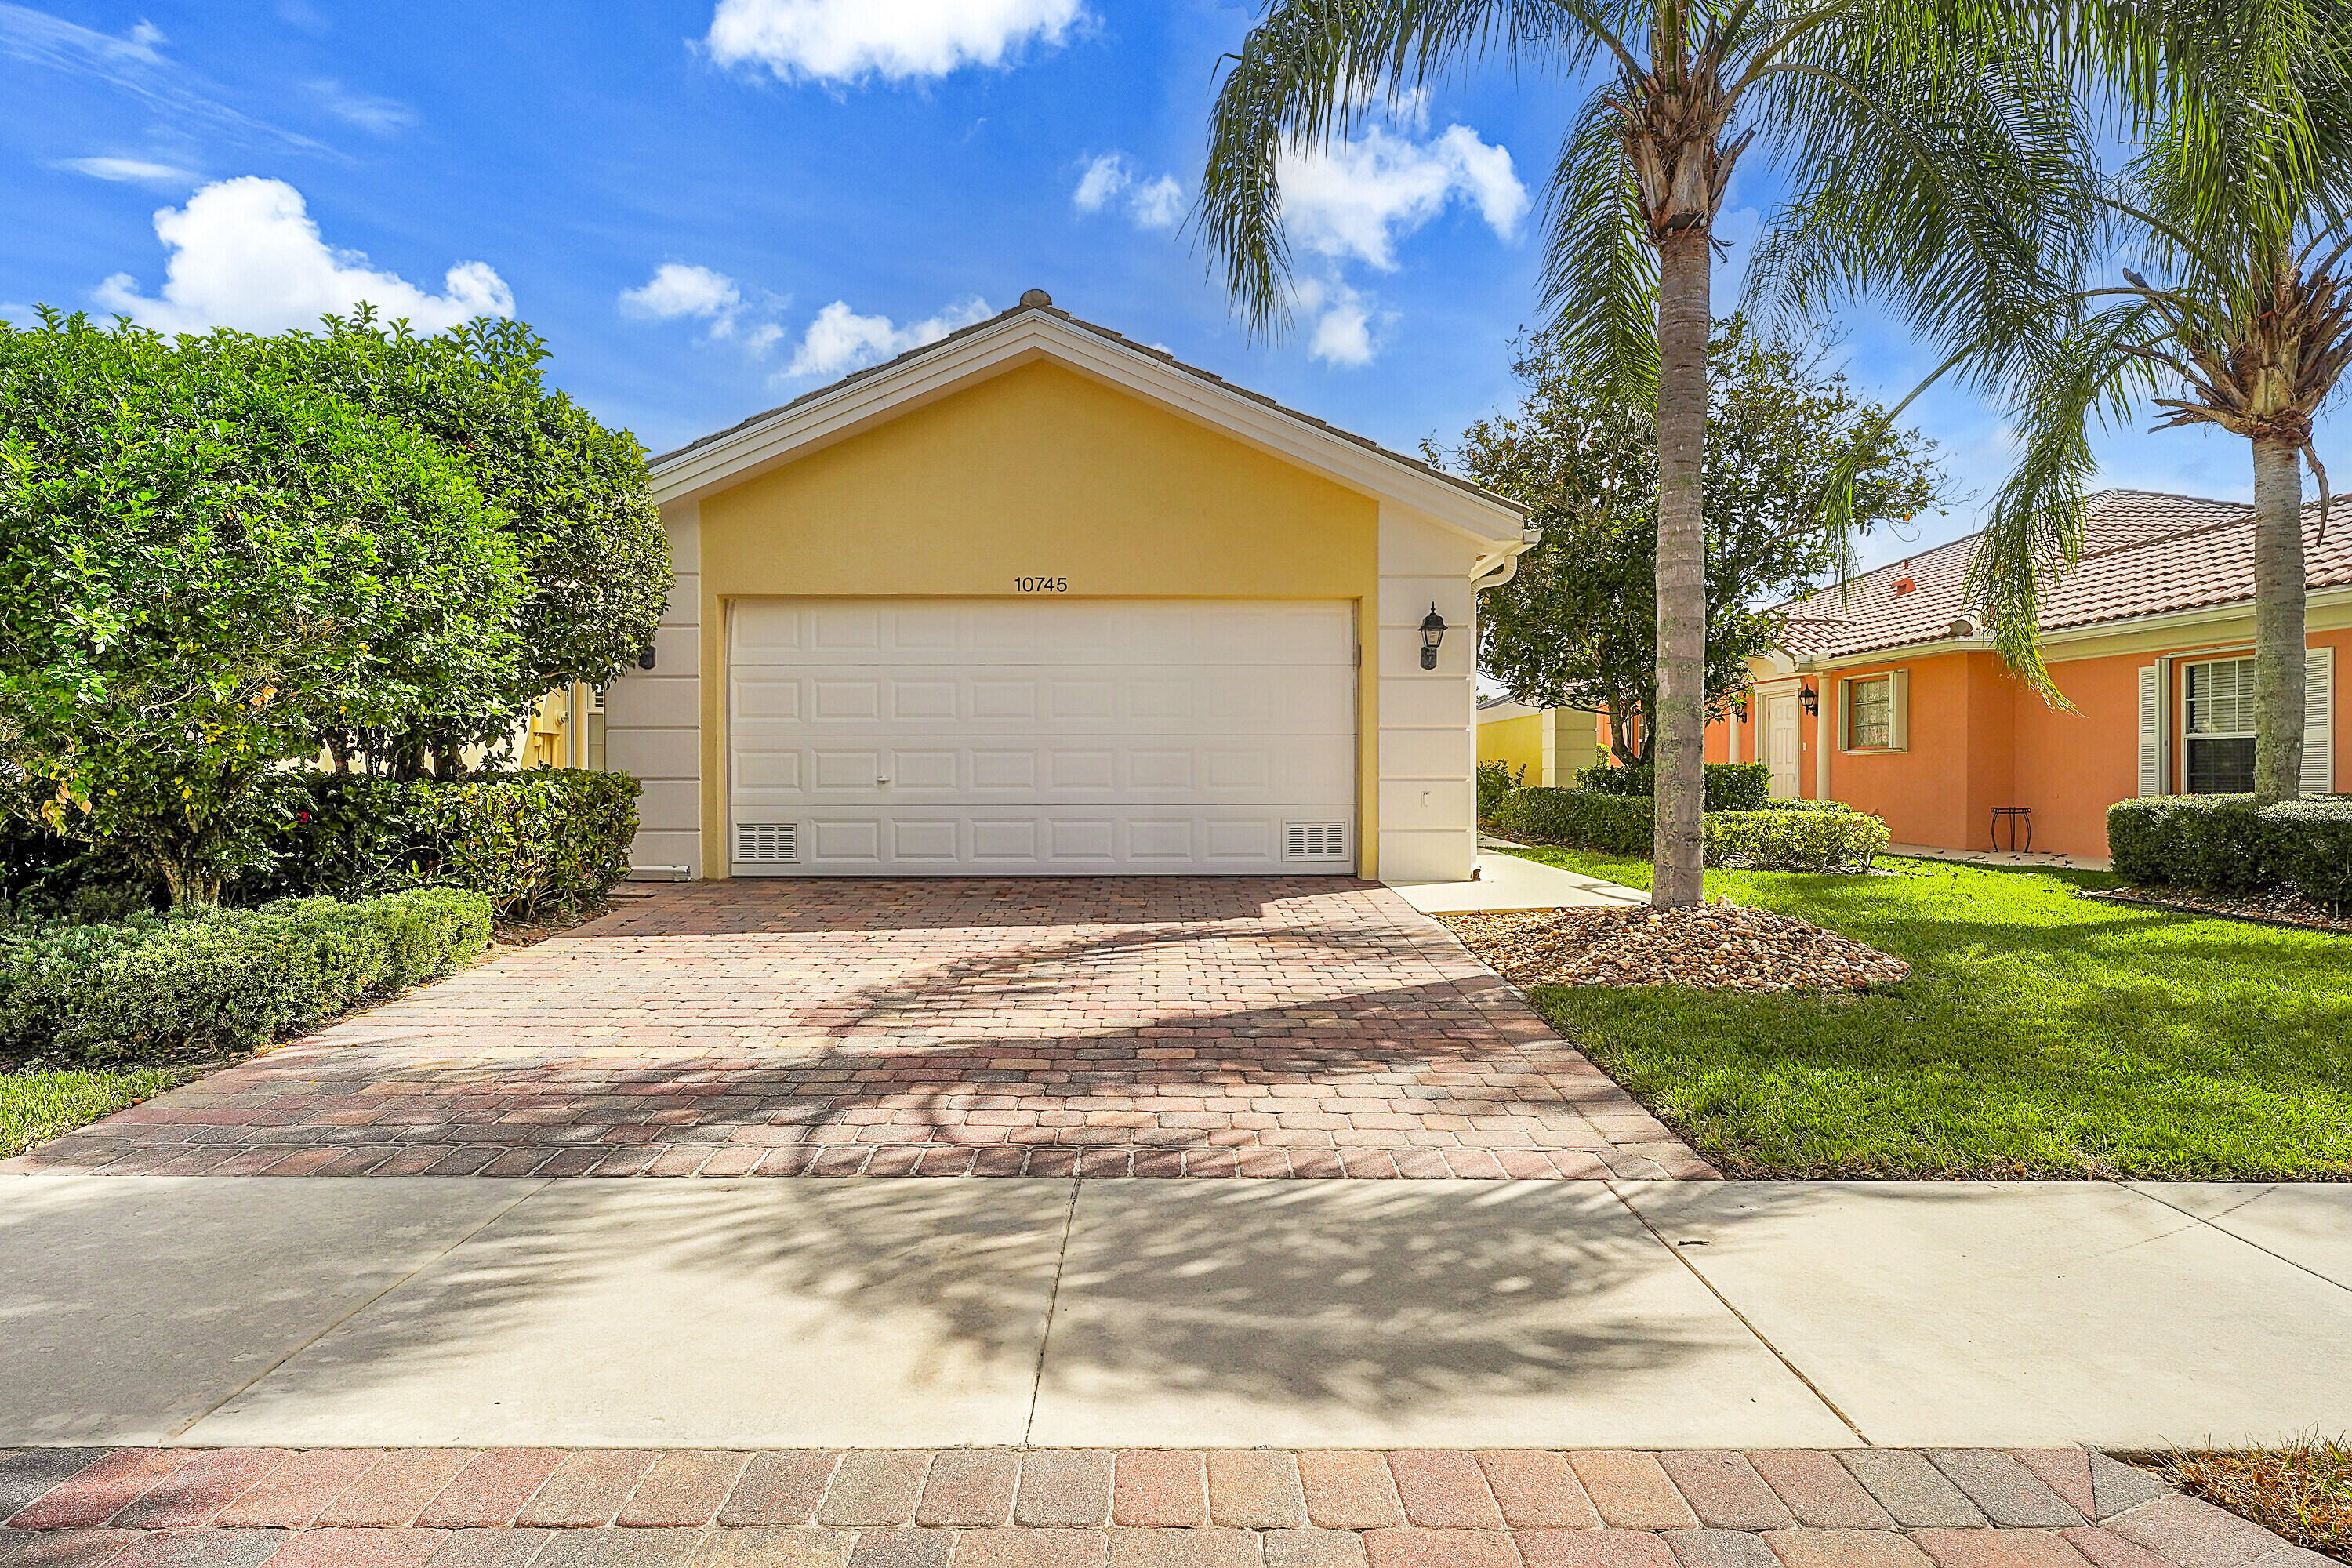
(1715, 947)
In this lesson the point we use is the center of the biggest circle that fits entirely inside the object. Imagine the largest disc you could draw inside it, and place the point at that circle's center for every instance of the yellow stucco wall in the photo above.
(1515, 743)
(1037, 472)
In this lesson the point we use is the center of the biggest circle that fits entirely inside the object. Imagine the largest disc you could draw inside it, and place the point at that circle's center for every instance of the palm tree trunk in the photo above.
(1679, 720)
(2278, 621)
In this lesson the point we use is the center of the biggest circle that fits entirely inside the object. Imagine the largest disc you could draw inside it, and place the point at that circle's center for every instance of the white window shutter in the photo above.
(1845, 716)
(2319, 720)
(2151, 730)
(1899, 724)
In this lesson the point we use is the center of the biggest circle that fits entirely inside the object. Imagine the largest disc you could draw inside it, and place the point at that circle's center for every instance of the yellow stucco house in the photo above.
(1036, 599)
(1539, 746)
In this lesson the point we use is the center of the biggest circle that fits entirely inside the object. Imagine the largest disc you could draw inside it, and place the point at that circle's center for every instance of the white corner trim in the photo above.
(1026, 336)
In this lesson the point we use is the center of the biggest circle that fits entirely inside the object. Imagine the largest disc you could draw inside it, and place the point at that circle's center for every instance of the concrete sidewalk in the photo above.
(883, 1313)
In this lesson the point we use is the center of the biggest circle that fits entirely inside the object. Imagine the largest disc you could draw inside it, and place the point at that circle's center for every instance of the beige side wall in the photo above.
(1427, 802)
(652, 717)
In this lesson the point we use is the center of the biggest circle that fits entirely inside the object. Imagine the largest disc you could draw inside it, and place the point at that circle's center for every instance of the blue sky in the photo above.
(708, 206)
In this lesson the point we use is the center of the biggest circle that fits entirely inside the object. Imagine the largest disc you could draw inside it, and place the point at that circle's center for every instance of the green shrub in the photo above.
(1801, 840)
(1618, 823)
(1785, 835)
(2222, 844)
(1497, 780)
(1730, 786)
(543, 838)
(2309, 844)
(207, 981)
(2208, 841)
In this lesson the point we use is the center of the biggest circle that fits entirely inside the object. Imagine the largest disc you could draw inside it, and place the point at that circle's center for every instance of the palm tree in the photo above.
(2238, 315)
(1931, 146)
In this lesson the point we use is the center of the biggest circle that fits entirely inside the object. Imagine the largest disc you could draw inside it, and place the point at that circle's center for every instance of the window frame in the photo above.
(2186, 673)
(1898, 704)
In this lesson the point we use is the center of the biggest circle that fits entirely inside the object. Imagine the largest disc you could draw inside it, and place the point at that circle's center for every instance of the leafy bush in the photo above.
(2223, 844)
(1730, 786)
(1785, 835)
(528, 841)
(206, 981)
(1497, 780)
(2309, 844)
(1803, 840)
(2208, 841)
(1618, 823)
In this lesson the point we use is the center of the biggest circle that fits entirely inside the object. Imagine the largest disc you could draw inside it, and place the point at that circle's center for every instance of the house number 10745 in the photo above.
(1041, 584)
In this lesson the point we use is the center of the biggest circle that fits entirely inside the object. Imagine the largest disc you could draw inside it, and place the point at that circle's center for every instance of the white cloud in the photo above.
(129, 171)
(1150, 203)
(848, 40)
(383, 116)
(1342, 332)
(1359, 198)
(840, 341)
(244, 254)
(677, 290)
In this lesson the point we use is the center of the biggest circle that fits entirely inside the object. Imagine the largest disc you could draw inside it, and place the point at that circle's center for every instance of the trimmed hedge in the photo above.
(528, 841)
(1615, 823)
(1785, 836)
(1495, 779)
(1811, 839)
(211, 980)
(1730, 786)
(2222, 844)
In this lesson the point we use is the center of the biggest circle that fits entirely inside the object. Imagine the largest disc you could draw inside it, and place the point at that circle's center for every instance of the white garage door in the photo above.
(1041, 736)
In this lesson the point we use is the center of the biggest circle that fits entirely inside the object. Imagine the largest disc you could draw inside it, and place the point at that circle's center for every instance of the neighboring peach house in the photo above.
(1539, 746)
(1891, 698)
(2150, 638)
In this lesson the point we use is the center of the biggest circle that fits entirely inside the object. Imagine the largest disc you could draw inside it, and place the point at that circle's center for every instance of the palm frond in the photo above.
(1312, 70)
(1600, 271)
(2036, 527)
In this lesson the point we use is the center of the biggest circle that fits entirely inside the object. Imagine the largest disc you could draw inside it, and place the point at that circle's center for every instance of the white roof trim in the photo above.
(1023, 336)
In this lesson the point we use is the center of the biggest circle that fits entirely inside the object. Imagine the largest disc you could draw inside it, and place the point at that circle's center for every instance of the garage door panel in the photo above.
(1034, 736)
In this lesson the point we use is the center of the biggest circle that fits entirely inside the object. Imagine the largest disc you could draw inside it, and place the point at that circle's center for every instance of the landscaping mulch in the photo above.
(1715, 947)
(2273, 906)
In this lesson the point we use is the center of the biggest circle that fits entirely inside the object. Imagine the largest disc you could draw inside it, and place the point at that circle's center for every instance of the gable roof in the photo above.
(1035, 329)
(2144, 553)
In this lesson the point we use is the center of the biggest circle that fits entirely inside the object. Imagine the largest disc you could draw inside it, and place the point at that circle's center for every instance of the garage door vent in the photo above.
(767, 842)
(1315, 841)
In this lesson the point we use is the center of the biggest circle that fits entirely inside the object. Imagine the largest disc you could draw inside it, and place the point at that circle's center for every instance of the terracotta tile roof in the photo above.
(1107, 335)
(2142, 555)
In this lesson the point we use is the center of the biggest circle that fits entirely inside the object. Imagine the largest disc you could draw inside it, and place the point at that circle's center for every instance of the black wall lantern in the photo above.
(1433, 632)
(646, 657)
(1810, 701)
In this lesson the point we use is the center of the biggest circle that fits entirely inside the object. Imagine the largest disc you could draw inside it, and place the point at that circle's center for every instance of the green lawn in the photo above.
(2038, 1034)
(37, 1105)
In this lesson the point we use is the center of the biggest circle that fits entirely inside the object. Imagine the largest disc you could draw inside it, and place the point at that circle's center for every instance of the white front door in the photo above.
(1041, 736)
(1780, 744)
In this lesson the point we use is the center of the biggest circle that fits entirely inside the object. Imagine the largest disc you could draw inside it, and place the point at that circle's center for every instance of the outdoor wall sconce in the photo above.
(1739, 709)
(1433, 632)
(1810, 701)
(646, 657)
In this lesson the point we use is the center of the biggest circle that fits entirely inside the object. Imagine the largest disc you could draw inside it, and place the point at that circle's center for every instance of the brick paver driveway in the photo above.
(1073, 1507)
(1145, 1026)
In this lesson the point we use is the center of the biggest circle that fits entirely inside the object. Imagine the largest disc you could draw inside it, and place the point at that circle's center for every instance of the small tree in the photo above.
(206, 562)
(572, 494)
(1577, 626)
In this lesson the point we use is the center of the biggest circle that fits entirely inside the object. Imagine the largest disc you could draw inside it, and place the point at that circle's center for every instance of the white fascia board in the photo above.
(1031, 336)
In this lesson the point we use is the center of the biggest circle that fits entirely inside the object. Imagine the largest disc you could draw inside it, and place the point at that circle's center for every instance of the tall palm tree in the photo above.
(2238, 315)
(1932, 140)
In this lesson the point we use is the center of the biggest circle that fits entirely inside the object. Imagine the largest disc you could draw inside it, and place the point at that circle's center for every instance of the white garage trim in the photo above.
(1023, 737)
